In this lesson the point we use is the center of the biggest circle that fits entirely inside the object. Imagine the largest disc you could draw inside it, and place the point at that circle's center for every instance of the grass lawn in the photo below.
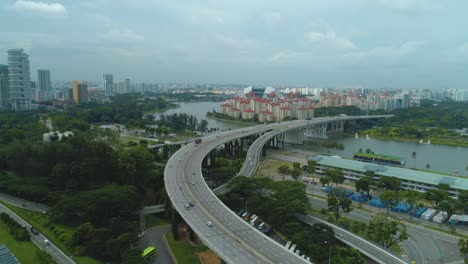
(53, 231)
(153, 220)
(269, 168)
(25, 252)
(183, 251)
(395, 248)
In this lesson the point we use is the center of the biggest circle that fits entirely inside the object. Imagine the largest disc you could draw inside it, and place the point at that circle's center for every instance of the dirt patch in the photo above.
(269, 168)
(209, 257)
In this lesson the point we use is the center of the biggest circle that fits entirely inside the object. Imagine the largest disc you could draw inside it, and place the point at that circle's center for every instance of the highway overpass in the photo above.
(234, 240)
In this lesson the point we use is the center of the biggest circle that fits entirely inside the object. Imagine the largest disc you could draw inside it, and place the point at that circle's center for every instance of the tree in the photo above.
(134, 257)
(413, 199)
(368, 151)
(390, 183)
(366, 184)
(428, 166)
(296, 173)
(434, 197)
(311, 166)
(284, 170)
(463, 246)
(288, 199)
(449, 206)
(324, 180)
(463, 201)
(338, 201)
(390, 199)
(386, 232)
(336, 176)
(297, 165)
(413, 155)
(203, 125)
(347, 255)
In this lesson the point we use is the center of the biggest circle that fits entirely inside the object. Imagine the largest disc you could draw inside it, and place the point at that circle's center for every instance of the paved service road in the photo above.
(368, 248)
(155, 237)
(27, 205)
(58, 255)
(234, 240)
(423, 246)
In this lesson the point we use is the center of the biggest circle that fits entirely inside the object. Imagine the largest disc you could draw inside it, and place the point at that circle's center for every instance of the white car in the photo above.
(209, 223)
(46, 242)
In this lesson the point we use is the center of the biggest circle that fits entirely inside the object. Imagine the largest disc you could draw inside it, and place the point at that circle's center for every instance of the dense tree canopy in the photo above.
(386, 232)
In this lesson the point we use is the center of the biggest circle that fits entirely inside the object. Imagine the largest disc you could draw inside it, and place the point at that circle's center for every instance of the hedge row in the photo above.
(16, 230)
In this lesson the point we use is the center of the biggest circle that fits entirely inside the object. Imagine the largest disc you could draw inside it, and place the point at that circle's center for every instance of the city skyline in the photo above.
(396, 44)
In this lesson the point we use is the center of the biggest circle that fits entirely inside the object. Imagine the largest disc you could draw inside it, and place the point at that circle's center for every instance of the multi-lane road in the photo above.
(234, 240)
(58, 255)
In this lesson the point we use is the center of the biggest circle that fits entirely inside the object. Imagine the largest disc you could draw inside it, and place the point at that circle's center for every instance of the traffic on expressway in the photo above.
(234, 240)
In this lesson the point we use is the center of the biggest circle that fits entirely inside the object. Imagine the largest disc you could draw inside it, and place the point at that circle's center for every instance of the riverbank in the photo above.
(240, 122)
(458, 142)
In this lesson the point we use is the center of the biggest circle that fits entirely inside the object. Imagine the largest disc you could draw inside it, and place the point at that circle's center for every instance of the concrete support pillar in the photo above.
(142, 223)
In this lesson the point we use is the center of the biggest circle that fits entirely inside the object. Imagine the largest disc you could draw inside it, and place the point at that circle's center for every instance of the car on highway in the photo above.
(46, 242)
(187, 206)
(209, 223)
(193, 183)
(34, 230)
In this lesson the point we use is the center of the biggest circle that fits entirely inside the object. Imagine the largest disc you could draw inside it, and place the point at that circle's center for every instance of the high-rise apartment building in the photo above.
(108, 84)
(80, 92)
(19, 80)
(127, 88)
(44, 88)
(4, 90)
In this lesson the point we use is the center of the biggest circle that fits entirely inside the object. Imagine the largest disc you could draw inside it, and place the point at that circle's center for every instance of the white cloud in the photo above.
(122, 36)
(287, 55)
(314, 36)
(330, 39)
(54, 10)
(388, 55)
(399, 51)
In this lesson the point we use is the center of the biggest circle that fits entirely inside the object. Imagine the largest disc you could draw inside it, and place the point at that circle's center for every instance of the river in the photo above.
(442, 158)
(199, 110)
(448, 159)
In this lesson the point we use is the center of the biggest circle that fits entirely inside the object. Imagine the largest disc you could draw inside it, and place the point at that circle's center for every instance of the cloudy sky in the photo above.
(354, 43)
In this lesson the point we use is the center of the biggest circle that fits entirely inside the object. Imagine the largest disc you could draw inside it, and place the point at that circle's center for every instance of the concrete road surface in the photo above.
(58, 255)
(27, 205)
(155, 237)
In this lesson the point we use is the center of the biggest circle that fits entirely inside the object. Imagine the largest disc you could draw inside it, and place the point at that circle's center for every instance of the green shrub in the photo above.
(44, 257)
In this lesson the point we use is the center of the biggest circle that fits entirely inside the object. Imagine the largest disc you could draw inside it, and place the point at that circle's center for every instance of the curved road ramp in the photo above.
(234, 240)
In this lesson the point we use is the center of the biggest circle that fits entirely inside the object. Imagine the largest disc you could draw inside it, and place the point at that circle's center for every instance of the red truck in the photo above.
(197, 141)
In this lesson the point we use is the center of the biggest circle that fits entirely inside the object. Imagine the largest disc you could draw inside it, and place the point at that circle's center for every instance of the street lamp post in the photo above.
(329, 251)
(329, 244)
(245, 203)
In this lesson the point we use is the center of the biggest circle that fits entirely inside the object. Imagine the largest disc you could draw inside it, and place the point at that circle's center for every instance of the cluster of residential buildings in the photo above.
(111, 88)
(266, 105)
(17, 91)
(366, 100)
